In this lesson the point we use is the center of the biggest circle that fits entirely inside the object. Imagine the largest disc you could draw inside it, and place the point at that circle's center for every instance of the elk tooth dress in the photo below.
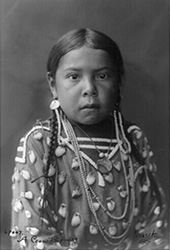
(77, 207)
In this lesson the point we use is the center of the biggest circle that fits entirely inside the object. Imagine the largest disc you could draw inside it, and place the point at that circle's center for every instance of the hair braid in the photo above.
(53, 141)
(50, 160)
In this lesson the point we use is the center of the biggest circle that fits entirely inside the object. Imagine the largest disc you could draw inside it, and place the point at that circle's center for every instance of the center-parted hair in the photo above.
(85, 37)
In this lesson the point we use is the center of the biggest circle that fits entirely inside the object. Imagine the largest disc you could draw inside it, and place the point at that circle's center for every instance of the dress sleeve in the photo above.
(151, 231)
(32, 226)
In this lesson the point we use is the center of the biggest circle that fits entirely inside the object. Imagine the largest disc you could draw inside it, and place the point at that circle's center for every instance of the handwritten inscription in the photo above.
(146, 238)
(18, 234)
(143, 238)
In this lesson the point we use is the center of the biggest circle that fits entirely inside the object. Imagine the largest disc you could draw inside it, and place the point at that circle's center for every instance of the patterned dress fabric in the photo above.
(72, 209)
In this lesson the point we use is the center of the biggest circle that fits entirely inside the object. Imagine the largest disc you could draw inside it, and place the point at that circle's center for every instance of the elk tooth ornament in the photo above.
(16, 176)
(60, 151)
(38, 136)
(76, 220)
(28, 214)
(52, 229)
(136, 211)
(41, 202)
(48, 141)
(90, 178)
(62, 210)
(110, 205)
(76, 192)
(124, 224)
(51, 171)
(112, 230)
(32, 156)
(125, 156)
(157, 210)
(159, 223)
(145, 188)
(44, 220)
(75, 164)
(18, 206)
(109, 177)
(55, 217)
(40, 245)
(138, 134)
(42, 187)
(144, 153)
(61, 177)
(101, 181)
(117, 165)
(93, 229)
(96, 205)
(123, 194)
(28, 195)
(26, 175)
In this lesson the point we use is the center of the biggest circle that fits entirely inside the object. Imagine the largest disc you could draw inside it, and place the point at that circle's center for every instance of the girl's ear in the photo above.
(52, 85)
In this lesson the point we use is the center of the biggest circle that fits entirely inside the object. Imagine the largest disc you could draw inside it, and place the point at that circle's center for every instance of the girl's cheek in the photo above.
(67, 85)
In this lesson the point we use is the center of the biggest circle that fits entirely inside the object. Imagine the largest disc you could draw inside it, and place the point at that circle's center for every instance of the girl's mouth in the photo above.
(90, 106)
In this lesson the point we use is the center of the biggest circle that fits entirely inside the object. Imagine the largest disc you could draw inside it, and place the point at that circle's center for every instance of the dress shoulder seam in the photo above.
(23, 142)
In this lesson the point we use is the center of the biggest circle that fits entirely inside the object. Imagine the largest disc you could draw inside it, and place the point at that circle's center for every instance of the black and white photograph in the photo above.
(85, 125)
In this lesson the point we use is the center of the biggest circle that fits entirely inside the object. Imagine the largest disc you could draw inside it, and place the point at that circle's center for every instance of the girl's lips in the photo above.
(90, 106)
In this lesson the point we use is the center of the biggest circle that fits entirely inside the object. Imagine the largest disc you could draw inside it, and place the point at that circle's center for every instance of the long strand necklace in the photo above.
(102, 229)
(104, 165)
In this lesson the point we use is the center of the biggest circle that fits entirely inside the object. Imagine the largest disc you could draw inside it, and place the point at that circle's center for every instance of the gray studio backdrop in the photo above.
(29, 29)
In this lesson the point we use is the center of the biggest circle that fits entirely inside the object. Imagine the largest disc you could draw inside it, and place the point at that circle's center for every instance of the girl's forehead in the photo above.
(86, 57)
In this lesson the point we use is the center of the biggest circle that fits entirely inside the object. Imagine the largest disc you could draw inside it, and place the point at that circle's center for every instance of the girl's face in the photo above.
(86, 85)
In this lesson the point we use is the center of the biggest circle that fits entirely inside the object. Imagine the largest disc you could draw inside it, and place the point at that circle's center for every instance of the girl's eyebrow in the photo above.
(72, 69)
(104, 68)
(80, 69)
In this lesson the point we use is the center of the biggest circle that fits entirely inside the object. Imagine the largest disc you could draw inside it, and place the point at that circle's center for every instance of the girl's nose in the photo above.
(89, 88)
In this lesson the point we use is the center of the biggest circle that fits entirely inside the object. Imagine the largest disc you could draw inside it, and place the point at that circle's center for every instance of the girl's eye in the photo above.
(102, 76)
(73, 77)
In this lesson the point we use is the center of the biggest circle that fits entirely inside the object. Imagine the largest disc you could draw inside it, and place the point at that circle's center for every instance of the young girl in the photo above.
(85, 178)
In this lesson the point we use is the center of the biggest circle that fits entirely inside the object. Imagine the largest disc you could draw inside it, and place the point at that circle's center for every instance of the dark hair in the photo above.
(85, 37)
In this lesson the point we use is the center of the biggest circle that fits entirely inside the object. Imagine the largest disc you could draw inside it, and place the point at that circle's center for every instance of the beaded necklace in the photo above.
(104, 165)
(90, 194)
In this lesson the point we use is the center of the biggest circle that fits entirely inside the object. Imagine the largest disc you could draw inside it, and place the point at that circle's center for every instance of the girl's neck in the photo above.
(103, 129)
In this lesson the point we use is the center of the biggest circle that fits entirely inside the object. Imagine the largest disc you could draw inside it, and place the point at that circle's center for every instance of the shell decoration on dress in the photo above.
(110, 204)
(112, 230)
(51, 171)
(38, 135)
(76, 192)
(75, 164)
(62, 210)
(25, 174)
(109, 177)
(76, 220)
(90, 179)
(62, 177)
(60, 150)
(93, 229)
(31, 156)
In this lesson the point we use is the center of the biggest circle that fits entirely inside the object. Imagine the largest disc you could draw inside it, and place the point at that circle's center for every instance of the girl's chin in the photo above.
(89, 120)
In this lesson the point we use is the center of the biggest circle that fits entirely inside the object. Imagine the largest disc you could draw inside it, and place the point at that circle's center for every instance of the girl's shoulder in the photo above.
(140, 147)
(36, 139)
(134, 131)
